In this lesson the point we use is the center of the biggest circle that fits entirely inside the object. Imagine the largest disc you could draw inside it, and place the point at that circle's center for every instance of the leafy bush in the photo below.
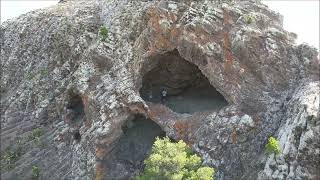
(249, 19)
(36, 136)
(174, 161)
(273, 146)
(43, 72)
(35, 172)
(12, 154)
(30, 76)
(103, 33)
(9, 159)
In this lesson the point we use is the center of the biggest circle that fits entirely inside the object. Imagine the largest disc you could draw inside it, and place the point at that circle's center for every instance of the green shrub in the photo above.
(273, 146)
(9, 159)
(249, 19)
(103, 33)
(36, 135)
(43, 72)
(35, 172)
(30, 76)
(174, 161)
(12, 154)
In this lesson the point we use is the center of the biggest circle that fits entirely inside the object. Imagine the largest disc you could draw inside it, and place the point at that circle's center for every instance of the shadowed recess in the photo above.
(132, 148)
(75, 110)
(75, 115)
(188, 90)
(137, 139)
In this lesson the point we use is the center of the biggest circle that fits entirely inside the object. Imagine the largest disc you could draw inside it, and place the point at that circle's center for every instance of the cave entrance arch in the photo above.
(132, 147)
(138, 137)
(188, 90)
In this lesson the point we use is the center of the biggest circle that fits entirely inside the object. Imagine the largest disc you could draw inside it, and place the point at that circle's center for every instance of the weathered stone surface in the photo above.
(299, 138)
(53, 57)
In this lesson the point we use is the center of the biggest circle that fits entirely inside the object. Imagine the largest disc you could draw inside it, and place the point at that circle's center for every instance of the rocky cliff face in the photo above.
(68, 98)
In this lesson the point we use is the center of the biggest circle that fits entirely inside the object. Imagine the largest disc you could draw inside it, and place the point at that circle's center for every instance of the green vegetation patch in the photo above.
(31, 75)
(170, 160)
(249, 19)
(10, 156)
(35, 171)
(103, 33)
(36, 135)
(13, 153)
(273, 146)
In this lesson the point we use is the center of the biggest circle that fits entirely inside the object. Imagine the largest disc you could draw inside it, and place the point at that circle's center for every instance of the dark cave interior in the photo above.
(132, 147)
(138, 137)
(188, 90)
(75, 114)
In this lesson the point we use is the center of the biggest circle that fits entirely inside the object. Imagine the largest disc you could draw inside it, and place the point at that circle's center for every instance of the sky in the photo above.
(300, 16)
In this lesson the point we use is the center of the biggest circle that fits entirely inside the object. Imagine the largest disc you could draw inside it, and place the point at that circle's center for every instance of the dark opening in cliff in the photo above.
(75, 110)
(188, 90)
(133, 146)
(76, 135)
(138, 137)
(75, 115)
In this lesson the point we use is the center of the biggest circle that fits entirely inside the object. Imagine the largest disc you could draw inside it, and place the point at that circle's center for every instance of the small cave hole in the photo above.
(75, 110)
(77, 135)
(180, 85)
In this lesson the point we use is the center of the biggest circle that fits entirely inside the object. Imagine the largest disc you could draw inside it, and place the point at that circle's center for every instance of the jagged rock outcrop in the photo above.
(299, 138)
(66, 94)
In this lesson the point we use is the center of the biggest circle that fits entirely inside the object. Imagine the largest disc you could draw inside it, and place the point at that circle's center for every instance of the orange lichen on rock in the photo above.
(227, 51)
(226, 42)
(137, 108)
(160, 42)
(234, 136)
(226, 17)
(164, 36)
(85, 101)
(86, 104)
(175, 32)
(100, 170)
(257, 120)
(203, 37)
(100, 152)
(181, 128)
(152, 115)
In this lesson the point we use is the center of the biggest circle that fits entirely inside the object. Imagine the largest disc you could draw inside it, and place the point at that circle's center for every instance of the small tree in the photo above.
(174, 161)
(273, 146)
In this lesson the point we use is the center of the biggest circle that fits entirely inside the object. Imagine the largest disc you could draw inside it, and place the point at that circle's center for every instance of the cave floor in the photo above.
(195, 99)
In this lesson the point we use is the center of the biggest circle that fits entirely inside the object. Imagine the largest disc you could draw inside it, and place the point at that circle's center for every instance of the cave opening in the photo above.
(187, 90)
(135, 144)
(77, 136)
(75, 110)
(75, 114)
(138, 137)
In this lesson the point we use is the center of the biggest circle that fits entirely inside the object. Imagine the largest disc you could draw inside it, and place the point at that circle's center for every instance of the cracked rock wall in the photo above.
(270, 83)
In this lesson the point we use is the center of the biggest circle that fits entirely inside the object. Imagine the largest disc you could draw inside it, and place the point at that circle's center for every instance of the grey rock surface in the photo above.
(59, 77)
(299, 138)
